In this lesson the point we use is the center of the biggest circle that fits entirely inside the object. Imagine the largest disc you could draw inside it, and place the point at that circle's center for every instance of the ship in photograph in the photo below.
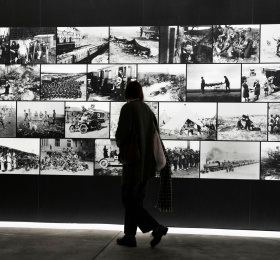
(32, 45)
(4, 45)
(107, 158)
(134, 44)
(236, 43)
(270, 161)
(67, 157)
(87, 119)
(19, 156)
(82, 44)
(107, 82)
(230, 160)
(242, 121)
(183, 157)
(188, 121)
(40, 119)
(164, 82)
(273, 122)
(63, 82)
(7, 119)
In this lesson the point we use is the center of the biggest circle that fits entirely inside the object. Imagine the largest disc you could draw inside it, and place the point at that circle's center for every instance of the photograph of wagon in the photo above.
(107, 82)
(4, 45)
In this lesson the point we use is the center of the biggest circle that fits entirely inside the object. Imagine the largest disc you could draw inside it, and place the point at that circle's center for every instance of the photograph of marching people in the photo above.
(8, 120)
(106, 161)
(236, 43)
(163, 82)
(185, 44)
(115, 114)
(4, 45)
(273, 122)
(190, 121)
(40, 119)
(107, 82)
(67, 157)
(19, 155)
(134, 44)
(87, 119)
(230, 160)
(32, 45)
(82, 44)
(270, 161)
(213, 82)
(20, 82)
(64, 82)
(242, 121)
(183, 157)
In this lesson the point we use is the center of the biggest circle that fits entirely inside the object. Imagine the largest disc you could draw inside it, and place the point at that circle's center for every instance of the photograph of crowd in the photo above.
(82, 44)
(87, 119)
(19, 156)
(107, 82)
(270, 161)
(183, 157)
(4, 45)
(63, 82)
(188, 121)
(134, 44)
(273, 123)
(230, 160)
(163, 82)
(213, 83)
(236, 43)
(8, 119)
(185, 44)
(107, 158)
(242, 121)
(40, 119)
(32, 45)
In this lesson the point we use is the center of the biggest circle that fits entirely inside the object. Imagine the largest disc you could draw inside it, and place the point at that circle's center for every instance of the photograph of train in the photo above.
(163, 82)
(247, 122)
(270, 161)
(185, 44)
(106, 161)
(8, 119)
(4, 45)
(236, 43)
(64, 82)
(67, 157)
(107, 82)
(273, 122)
(40, 119)
(230, 160)
(188, 121)
(183, 157)
(134, 44)
(32, 45)
(213, 82)
(82, 45)
(87, 119)
(19, 156)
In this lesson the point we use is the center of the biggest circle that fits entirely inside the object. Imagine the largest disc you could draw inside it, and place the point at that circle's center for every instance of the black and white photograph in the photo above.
(270, 43)
(236, 43)
(186, 44)
(241, 121)
(115, 114)
(134, 44)
(19, 156)
(273, 122)
(40, 119)
(163, 82)
(64, 82)
(270, 161)
(213, 83)
(183, 157)
(188, 121)
(230, 160)
(106, 162)
(67, 157)
(8, 120)
(260, 83)
(107, 82)
(87, 119)
(4, 45)
(20, 82)
(32, 45)
(82, 45)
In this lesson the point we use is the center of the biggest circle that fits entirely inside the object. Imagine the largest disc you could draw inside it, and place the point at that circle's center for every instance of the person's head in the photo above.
(133, 90)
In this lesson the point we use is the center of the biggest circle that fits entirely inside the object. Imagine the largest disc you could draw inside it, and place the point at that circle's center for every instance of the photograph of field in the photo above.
(270, 161)
(8, 119)
(273, 122)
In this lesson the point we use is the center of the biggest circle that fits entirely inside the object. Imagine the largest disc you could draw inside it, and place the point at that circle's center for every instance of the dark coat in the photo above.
(257, 89)
(245, 90)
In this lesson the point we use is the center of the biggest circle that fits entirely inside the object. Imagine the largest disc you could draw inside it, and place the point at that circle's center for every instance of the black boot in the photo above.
(158, 232)
(127, 240)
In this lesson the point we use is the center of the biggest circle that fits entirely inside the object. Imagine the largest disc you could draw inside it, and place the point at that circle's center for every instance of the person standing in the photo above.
(245, 91)
(257, 89)
(202, 85)
(227, 83)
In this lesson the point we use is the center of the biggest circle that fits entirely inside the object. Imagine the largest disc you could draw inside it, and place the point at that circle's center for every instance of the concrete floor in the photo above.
(42, 244)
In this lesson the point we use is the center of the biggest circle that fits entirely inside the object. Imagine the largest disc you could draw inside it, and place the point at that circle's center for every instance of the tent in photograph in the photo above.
(163, 119)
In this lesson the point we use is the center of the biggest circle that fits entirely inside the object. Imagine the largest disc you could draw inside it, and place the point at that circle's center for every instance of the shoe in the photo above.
(127, 240)
(158, 232)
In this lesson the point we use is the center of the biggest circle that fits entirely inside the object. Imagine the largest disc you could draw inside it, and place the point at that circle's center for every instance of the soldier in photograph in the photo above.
(277, 44)
(202, 85)
(227, 84)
